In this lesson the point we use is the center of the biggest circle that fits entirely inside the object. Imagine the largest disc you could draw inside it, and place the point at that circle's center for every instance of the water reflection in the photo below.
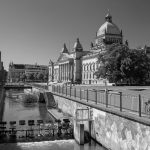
(15, 109)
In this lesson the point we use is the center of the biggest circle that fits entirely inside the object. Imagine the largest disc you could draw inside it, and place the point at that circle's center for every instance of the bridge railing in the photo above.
(39, 85)
(135, 104)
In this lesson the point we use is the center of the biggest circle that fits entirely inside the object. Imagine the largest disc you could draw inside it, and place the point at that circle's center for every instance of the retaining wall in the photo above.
(112, 131)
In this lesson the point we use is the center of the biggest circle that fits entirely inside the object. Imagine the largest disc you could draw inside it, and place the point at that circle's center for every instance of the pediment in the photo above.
(63, 56)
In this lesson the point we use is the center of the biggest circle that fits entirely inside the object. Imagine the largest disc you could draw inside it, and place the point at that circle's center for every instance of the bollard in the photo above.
(120, 101)
(139, 105)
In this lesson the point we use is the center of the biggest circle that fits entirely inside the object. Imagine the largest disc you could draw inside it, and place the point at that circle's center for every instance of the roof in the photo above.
(19, 66)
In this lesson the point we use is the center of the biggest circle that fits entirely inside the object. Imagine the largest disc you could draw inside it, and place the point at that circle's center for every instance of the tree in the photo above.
(40, 76)
(35, 76)
(136, 67)
(46, 77)
(23, 77)
(120, 64)
(30, 76)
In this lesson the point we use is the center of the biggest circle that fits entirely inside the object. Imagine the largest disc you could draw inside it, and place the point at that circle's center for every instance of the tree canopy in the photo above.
(121, 64)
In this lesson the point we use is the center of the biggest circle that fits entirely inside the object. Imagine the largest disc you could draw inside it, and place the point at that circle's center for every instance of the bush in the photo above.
(30, 98)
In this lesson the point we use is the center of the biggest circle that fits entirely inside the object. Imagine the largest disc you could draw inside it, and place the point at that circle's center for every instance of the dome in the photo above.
(108, 27)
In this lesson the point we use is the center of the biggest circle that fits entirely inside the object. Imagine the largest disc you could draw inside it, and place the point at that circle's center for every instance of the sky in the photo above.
(34, 31)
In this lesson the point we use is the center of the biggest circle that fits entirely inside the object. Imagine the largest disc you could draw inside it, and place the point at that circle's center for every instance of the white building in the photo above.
(78, 65)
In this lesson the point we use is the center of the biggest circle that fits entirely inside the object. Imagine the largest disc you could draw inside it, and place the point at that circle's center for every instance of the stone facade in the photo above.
(78, 65)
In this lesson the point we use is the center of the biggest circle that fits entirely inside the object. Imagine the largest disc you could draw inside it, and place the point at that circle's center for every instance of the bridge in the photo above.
(8, 86)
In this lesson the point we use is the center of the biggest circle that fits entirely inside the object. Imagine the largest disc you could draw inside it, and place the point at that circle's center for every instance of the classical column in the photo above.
(62, 72)
(68, 72)
(59, 73)
(65, 72)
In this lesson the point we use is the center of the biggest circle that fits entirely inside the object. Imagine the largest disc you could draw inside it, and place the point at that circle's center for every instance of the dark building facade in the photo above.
(16, 71)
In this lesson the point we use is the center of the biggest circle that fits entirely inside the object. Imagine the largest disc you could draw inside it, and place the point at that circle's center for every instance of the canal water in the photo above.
(15, 109)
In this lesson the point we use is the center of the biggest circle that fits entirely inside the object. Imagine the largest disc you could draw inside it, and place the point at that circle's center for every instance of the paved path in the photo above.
(58, 115)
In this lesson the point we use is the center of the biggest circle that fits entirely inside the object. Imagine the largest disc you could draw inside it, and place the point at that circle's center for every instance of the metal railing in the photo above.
(38, 85)
(135, 104)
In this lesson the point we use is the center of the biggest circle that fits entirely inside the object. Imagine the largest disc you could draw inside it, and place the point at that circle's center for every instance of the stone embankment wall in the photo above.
(2, 99)
(112, 131)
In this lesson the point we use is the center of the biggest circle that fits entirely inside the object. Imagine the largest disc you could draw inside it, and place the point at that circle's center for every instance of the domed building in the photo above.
(78, 65)
(108, 33)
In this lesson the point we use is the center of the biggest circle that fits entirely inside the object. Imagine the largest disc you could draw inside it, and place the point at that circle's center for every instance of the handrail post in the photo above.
(139, 105)
(87, 95)
(80, 94)
(106, 95)
(74, 92)
(120, 101)
(96, 96)
(70, 91)
(66, 90)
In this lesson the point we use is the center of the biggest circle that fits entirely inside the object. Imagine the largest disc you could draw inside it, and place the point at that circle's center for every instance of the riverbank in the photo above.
(2, 99)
